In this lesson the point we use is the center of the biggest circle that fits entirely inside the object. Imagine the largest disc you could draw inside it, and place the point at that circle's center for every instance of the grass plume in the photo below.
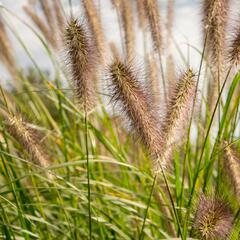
(81, 58)
(153, 15)
(232, 166)
(178, 110)
(127, 90)
(29, 139)
(95, 26)
(40, 24)
(213, 219)
(234, 49)
(128, 26)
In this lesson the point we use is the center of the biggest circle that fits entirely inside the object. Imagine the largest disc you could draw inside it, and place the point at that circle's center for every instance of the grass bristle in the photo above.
(29, 139)
(81, 57)
(95, 26)
(232, 167)
(213, 219)
(127, 90)
(153, 15)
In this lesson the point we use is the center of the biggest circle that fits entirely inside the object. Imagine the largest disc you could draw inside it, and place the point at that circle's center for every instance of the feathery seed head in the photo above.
(177, 112)
(127, 91)
(81, 57)
(28, 138)
(215, 14)
(127, 19)
(232, 166)
(213, 219)
(179, 106)
(142, 15)
(234, 50)
(95, 26)
(154, 22)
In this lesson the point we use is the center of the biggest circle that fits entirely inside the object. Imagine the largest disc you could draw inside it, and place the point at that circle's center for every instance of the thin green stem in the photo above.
(88, 172)
(149, 201)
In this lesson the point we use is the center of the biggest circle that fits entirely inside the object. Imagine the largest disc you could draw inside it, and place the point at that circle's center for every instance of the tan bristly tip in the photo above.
(81, 58)
(128, 92)
(232, 167)
(213, 219)
(28, 138)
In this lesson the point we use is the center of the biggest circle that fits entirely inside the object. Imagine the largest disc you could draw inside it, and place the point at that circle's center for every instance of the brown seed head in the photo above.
(179, 106)
(213, 219)
(6, 51)
(128, 27)
(152, 10)
(170, 17)
(232, 167)
(127, 91)
(95, 26)
(28, 138)
(81, 57)
(234, 50)
(215, 14)
(142, 15)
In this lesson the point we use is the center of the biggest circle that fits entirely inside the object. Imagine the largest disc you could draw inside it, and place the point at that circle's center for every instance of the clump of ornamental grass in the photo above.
(127, 91)
(81, 57)
(95, 27)
(178, 111)
(232, 167)
(170, 18)
(213, 219)
(29, 139)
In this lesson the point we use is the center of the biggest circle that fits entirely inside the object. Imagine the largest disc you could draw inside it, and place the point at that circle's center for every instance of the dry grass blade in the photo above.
(142, 15)
(215, 16)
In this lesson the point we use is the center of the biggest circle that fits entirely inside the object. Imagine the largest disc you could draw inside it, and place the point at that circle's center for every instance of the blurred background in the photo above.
(186, 30)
